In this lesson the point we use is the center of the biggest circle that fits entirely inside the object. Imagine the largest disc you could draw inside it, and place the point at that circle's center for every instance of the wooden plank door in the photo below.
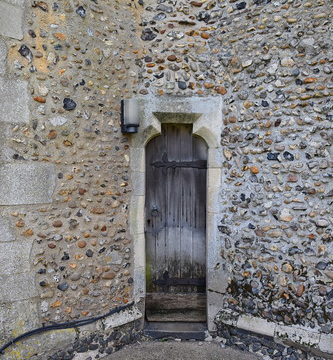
(175, 225)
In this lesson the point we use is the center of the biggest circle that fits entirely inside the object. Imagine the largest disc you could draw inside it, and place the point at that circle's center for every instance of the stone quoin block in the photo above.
(19, 317)
(3, 57)
(6, 232)
(11, 19)
(214, 300)
(14, 101)
(17, 3)
(17, 287)
(31, 183)
(14, 257)
(41, 344)
(217, 279)
(7, 152)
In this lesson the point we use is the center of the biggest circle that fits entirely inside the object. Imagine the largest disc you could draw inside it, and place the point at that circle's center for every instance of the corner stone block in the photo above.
(14, 101)
(18, 317)
(136, 212)
(17, 3)
(6, 233)
(26, 183)
(11, 18)
(214, 313)
(14, 257)
(41, 344)
(3, 57)
(139, 248)
(7, 150)
(17, 287)
(217, 280)
(139, 283)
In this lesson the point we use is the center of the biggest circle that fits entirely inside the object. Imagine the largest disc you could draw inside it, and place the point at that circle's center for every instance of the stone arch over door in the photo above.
(206, 116)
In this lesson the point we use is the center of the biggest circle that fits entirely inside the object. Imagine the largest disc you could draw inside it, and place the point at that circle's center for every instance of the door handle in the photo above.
(154, 211)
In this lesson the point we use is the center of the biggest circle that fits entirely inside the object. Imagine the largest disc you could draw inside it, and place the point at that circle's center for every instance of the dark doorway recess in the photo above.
(175, 226)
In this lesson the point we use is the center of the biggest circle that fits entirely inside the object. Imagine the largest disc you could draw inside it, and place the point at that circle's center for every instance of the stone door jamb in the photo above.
(206, 116)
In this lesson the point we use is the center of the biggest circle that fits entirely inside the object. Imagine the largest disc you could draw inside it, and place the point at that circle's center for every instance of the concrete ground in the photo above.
(173, 350)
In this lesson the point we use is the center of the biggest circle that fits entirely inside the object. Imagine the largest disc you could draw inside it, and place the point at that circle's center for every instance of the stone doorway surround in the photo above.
(206, 116)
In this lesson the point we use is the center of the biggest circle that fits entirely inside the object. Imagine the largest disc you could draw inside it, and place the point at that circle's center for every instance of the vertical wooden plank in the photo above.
(187, 188)
(173, 241)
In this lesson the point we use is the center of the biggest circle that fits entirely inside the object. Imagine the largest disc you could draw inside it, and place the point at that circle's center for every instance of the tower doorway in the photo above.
(175, 226)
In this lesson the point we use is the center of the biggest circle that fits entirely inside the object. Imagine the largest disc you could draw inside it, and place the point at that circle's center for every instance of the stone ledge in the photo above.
(14, 99)
(124, 317)
(11, 18)
(305, 338)
(26, 183)
(262, 326)
(298, 335)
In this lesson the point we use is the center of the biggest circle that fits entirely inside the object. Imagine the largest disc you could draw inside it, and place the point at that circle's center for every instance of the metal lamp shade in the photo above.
(129, 116)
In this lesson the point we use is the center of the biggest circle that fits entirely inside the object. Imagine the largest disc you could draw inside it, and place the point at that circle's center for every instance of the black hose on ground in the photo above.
(62, 326)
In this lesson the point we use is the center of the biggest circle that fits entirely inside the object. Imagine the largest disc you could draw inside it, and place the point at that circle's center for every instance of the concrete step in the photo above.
(177, 330)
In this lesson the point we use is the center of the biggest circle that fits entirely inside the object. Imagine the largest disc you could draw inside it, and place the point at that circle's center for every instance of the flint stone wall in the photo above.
(64, 68)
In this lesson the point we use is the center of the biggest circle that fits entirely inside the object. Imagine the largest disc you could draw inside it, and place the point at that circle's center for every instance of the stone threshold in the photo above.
(302, 337)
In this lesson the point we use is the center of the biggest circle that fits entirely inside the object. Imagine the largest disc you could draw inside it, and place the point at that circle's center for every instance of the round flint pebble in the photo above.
(81, 11)
(25, 52)
(63, 286)
(148, 35)
(288, 156)
(69, 104)
(322, 265)
(273, 156)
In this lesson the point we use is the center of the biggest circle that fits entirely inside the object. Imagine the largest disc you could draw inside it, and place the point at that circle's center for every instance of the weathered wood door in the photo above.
(175, 225)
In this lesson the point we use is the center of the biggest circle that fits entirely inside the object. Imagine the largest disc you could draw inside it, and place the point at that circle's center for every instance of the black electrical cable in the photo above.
(66, 325)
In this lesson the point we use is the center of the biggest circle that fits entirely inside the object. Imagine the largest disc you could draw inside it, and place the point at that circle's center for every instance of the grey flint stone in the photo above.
(26, 183)
(14, 101)
(11, 19)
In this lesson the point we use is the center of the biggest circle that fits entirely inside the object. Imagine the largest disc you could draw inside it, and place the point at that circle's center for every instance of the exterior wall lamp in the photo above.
(129, 116)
